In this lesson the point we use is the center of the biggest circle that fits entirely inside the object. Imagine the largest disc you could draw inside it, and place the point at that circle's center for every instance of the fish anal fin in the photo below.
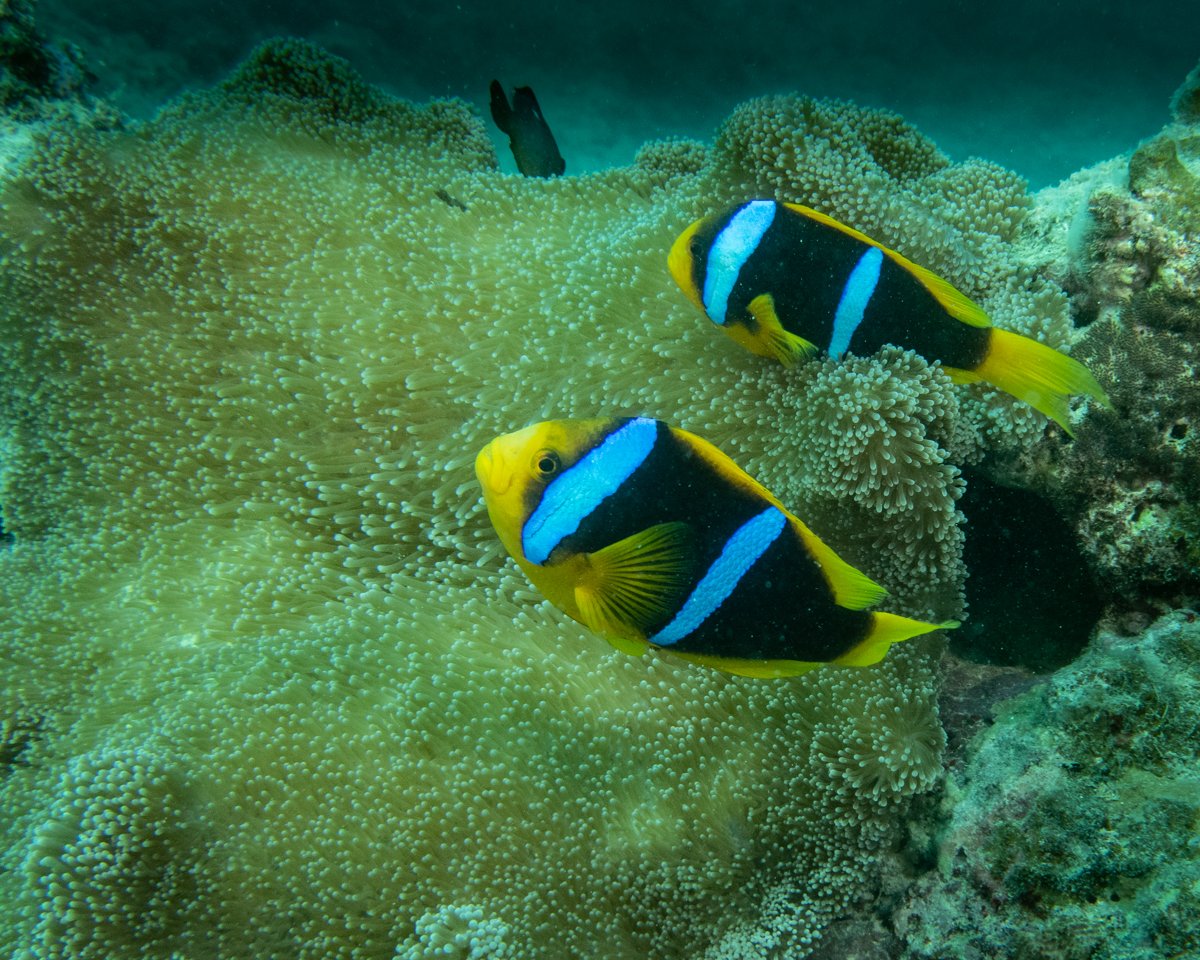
(772, 339)
(886, 629)
(960, 376)
(851, 588)
(634, 583)
(763, 669)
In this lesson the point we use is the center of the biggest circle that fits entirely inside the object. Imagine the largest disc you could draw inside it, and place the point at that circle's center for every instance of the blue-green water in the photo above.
(1042, 88)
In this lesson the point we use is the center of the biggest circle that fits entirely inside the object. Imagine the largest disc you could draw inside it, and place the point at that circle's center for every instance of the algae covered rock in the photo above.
(1122, 239)
(1071, 831)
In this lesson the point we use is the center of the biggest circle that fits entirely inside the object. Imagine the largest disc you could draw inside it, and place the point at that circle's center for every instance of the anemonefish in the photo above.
(529, 137)
(652, 537)
(787, 282)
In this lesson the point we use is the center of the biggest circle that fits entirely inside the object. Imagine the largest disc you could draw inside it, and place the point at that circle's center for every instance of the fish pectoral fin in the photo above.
(636, 582)
(630, 645)
(784, 346)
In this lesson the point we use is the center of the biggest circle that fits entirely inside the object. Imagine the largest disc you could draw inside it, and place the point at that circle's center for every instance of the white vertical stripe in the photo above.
(740, 553)
(856, 294)
(730, 250)
(572, 496)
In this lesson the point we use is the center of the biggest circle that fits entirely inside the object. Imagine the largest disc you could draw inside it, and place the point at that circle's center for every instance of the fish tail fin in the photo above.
(501, 111)
(1034, 373)
(886, 629)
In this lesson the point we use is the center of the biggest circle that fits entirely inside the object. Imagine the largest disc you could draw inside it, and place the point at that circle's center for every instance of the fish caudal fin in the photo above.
(1035, 373)
(886, 629)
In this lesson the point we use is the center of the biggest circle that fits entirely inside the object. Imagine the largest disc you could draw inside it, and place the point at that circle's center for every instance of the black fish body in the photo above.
(900, 310)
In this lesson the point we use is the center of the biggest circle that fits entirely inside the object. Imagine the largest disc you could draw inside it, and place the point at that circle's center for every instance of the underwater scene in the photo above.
(599, 481)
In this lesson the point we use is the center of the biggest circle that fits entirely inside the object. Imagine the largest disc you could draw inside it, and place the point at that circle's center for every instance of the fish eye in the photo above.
(546, 463)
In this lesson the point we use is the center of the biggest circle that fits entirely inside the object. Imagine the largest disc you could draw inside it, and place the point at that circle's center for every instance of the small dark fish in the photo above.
(449, 200)
(529, 135)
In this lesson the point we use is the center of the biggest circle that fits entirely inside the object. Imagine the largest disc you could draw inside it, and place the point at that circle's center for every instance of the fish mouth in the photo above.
(492, 471)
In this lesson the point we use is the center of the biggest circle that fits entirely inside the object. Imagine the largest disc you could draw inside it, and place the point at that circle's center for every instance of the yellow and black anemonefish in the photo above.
(651, 536)
(786, 282)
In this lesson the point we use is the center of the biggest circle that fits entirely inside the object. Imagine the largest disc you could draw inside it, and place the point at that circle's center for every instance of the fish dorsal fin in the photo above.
(784, 346)
(634, 583)
(524, 103)
(851, 588)
(836, 224)
(953, 301)
(726, 468)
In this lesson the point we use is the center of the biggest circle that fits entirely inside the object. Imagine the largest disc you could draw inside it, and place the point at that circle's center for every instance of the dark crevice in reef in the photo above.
(17, 739)
(1031, 599)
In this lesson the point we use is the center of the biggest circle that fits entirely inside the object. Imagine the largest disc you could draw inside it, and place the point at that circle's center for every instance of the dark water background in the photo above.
(1044, 88)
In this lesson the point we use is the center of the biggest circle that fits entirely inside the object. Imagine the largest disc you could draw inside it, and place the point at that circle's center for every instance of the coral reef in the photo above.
(1069, 826)
(271, 689)
(1071, 832)
(1122, 239)
(1033, 601)
(32, 70)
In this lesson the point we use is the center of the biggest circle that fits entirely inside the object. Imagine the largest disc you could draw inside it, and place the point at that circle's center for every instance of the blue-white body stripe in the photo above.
(856, 294)
(730, 250)
(740, 553)
(572, 495)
